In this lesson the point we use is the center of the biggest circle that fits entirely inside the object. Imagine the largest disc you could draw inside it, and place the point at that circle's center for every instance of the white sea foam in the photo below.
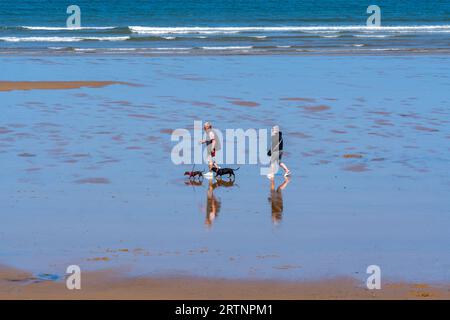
(209, 30)
(61, 39)
(228, 48)
(172, 49)
(372, 35)
(65, 28)
(85, 49)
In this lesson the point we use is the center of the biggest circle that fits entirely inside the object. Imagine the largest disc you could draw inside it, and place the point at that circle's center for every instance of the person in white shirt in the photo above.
(211, 144)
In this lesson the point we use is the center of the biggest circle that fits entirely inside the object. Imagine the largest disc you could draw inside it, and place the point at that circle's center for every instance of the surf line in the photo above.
(187, 310)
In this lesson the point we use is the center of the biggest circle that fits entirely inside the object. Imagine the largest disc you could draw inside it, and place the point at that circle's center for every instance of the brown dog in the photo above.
(194, 174)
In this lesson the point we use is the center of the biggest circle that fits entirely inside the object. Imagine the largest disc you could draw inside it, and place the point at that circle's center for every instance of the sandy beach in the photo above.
(110, 284)
(52, 85)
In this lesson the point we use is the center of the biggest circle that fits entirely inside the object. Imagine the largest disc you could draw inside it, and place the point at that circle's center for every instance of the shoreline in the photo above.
(112, 285)
(180, 53)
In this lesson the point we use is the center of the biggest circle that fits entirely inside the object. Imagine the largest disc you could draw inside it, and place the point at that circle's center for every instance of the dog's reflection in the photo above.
(276, 200)
(194, 183)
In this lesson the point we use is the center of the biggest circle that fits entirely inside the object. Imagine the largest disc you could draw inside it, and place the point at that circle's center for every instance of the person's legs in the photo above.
(210, 162)
(285, 168)
(210, 165)
(273, 169)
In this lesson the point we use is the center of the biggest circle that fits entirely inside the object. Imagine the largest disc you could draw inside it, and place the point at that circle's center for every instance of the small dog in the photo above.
(194, 174)
(223, 171)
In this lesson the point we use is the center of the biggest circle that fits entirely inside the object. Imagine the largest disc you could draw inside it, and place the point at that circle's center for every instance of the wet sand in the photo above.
(53, 85)
(109, 284)
(91, 182)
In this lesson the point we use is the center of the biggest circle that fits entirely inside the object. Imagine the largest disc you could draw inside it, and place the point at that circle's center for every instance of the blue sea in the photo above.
(225, 27)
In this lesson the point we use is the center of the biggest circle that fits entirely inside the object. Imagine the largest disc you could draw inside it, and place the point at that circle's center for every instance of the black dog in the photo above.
(221, 172)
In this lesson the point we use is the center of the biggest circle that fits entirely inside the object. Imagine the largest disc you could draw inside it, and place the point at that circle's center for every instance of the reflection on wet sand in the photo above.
(194, 183)
(212, 204)
(276, 200)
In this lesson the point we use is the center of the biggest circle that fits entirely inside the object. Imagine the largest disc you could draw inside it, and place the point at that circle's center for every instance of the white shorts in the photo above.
(210, 158)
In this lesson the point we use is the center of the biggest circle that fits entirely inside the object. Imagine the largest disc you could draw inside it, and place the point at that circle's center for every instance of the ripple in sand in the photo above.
(26, 155)
(382, 113)
(287, 267)
(351, 155)
(299, 99)
(202, 104)
(300, 135)
(81, 155)
(152, 138)
(123, 103)
(318, 108)
(99, 259)
(167, 131)
(4, 130)
(141, 116)
(382, 122)
(53, 85)
(421, 128)
(93, 181)
(117, 137)
(244, 103)
(356, 168)
(338, 131)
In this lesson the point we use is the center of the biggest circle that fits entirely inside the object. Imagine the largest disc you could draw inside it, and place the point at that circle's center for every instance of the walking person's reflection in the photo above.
(212, 204)
(276, 200)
